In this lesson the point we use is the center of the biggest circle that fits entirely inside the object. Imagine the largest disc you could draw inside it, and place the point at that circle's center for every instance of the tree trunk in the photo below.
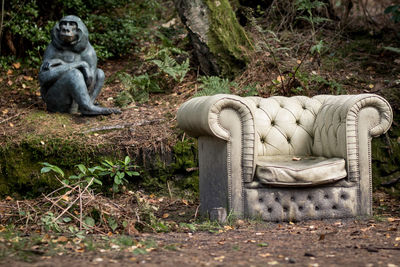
(220, 43)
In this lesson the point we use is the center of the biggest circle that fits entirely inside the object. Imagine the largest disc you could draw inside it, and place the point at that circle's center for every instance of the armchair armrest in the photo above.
(215, 116)
(201, 115)
(340, 120)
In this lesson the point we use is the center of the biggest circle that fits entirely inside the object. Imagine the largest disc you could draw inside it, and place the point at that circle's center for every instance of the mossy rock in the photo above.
(20, 164)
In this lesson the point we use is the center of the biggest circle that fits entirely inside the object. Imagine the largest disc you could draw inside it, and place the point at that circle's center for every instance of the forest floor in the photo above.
(358, 63)
(371, 241)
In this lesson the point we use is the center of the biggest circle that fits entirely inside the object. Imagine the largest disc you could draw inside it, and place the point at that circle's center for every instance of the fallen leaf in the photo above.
(265, 255)
(280, 78)
(165, 215)
(220, 258)
(2, 228)
(17, 65)
(184, 201)
(62, 239)
(273, 263)
(28, 78)
(298, 61)
(397, 238)
(10, 83)
(5, 111)
(227, 227)
(371, 86)
(9, 72)
(8, 198)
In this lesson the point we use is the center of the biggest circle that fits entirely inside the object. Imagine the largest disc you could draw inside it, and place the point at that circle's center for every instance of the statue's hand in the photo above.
(87, 73)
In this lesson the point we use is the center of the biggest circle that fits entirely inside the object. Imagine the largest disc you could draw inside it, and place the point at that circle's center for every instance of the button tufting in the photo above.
(263, 139)
(297, 122)
(277, 199)
(326, 196)
(292, 199)
(301, 208)
(288, 139)
(309, 197)
(260, 199)
(285, 209)
(316, 208)
(334, 207)
(343, 196)
(269, 209)
(258, 105)
(272, 122)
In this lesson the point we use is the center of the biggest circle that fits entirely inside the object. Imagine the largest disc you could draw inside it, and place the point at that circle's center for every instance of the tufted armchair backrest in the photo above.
(284, 125)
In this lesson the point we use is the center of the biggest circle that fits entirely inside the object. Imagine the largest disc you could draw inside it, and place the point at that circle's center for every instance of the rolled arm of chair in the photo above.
(344, 126)
(336, 125)
(202, 116)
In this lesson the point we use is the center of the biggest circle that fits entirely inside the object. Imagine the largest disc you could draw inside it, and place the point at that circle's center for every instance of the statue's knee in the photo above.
(100, 75)
(74, 77)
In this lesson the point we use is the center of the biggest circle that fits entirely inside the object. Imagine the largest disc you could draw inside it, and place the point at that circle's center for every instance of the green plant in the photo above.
(49, 222)
(395, 11)
(86, 176)
(118, 171)
(212, 85)
(308, 7)
(139, 87)
(393, 49)
(168, 65)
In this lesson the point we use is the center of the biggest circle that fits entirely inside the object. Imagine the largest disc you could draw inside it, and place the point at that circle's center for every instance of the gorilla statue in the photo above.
(69, 78)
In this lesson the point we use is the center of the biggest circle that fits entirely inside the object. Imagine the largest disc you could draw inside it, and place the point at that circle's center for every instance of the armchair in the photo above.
(286, 158)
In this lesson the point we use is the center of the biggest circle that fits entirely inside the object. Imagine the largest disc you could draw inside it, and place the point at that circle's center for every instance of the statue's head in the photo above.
(70, 33)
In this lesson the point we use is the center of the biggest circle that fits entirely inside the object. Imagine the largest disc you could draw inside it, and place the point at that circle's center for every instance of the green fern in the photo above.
(212, 85)
(166, 63)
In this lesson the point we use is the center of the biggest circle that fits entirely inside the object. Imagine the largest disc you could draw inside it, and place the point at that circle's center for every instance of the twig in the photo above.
(298, 66)
(169, 190)
(9, 118)
(1, 22)
(116, 127)
(16, 115)
(197, 210)
(65, 210)
(80, 209)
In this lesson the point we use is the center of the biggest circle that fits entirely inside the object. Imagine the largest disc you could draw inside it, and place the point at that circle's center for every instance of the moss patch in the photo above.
(227, 39)
(20, 164)
(386, 158)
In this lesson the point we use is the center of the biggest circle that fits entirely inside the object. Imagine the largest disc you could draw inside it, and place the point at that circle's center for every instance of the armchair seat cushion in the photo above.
(287, 170)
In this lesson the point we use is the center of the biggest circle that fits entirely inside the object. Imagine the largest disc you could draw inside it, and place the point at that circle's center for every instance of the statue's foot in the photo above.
(100, 111)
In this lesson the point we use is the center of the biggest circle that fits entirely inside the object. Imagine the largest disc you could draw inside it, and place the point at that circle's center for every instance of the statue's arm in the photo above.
(89, 56)
(53, 68)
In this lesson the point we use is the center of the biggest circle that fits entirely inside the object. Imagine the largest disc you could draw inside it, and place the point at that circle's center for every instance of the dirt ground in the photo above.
(371, 241)
(312, 243)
